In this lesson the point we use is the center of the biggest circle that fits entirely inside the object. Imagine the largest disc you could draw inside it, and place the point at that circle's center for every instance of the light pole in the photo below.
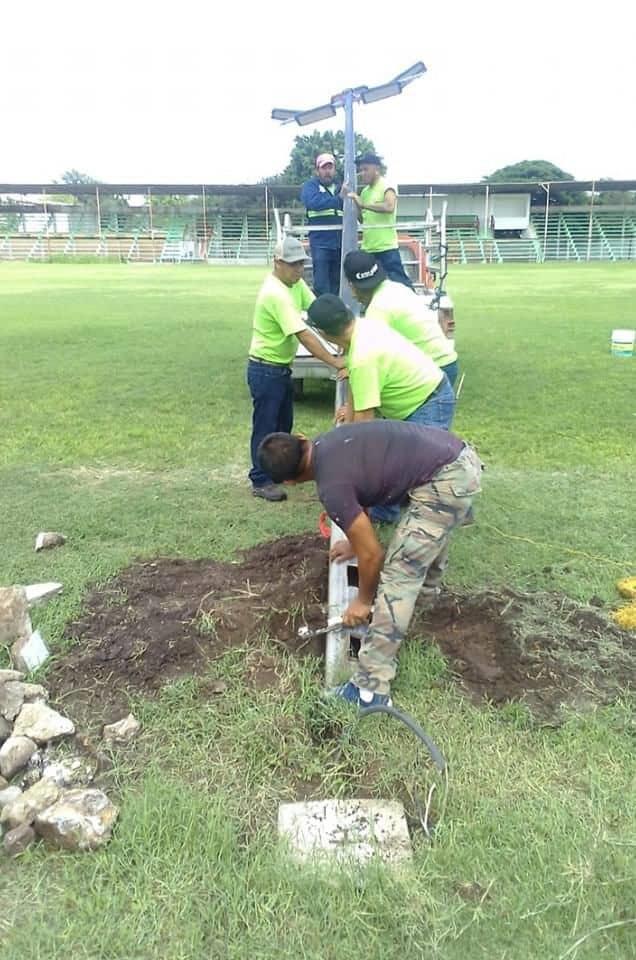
(337, 644)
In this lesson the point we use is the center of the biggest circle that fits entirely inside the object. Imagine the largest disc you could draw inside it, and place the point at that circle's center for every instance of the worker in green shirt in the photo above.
(278, 326)
(403, 310)
(377, 209)
(387, 374)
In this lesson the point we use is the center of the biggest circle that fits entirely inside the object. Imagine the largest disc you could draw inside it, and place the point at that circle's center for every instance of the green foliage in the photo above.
(622, 198)
(539, 171)
(306, 148)
(76, 177)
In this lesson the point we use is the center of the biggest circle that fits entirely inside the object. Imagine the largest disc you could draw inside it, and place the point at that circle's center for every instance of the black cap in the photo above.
(363, 270)
(329, 313)
(369, 158)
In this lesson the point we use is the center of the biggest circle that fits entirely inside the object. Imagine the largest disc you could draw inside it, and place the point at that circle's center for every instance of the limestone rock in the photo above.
(17, 840)
(10, 675)
(30, 652)
(14, 615)
(122, 731)
(58, 773)
(14, 754)
(5, 729)
(11, 699)
(34, 693)
(80, 820)
(33, 771)
(73, 772)
(26, 807)
(42, 724)
(44, 540)
(40, 592)
(14, 693)
(3, 784)
(8, 796)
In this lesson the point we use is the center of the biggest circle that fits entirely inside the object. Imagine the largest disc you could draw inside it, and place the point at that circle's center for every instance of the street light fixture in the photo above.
(315, 115)
(285, 116)
(387, 90)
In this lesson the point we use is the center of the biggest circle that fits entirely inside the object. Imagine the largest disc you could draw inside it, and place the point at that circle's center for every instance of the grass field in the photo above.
(125, 423)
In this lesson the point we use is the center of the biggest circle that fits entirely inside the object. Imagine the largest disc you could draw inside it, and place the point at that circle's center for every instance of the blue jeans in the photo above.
(451, 370)
(273, 401)
(326, 267)
(436, 411)
(392, 263)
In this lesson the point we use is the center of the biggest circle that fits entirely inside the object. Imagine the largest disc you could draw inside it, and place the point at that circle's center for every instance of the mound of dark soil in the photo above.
(542, 649)
(166, 618)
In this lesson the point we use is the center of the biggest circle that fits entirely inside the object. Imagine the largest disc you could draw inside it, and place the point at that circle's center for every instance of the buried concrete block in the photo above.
(40, 592)
(30, 652)
(345, 831)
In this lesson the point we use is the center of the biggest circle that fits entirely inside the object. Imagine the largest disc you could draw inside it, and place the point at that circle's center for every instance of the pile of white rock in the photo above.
(44, 790)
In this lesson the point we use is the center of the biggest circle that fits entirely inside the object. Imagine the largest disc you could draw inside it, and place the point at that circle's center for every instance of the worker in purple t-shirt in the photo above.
(383, 462)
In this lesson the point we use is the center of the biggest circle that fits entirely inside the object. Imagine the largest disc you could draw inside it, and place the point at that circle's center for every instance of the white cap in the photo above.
(289, 250)
(445, 302)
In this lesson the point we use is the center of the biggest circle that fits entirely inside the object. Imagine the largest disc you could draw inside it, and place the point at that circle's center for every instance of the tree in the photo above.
(75, 177)
(618, 198)
(539, 171)
(306, 148)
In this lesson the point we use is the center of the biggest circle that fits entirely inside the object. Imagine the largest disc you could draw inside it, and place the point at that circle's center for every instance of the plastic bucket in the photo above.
(623, 343)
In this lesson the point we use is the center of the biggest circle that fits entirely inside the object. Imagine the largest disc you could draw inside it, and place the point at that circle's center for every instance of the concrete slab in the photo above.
(39, 592)
(30, 653)
(346, 831)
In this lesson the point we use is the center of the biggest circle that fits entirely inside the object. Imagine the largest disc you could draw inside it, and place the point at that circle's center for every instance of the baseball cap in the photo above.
(289, 250)
(329, 313)
(363, 270)
(324, 158)
(369, 158)
(445, 302)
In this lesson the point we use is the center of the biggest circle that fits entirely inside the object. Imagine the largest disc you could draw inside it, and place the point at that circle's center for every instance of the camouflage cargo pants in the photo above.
(416, 556)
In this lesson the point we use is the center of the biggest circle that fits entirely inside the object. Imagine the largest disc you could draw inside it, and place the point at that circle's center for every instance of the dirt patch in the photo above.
(543, 650)
(166, 618)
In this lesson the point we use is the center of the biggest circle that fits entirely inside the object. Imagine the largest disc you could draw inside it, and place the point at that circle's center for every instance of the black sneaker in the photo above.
(269, 492)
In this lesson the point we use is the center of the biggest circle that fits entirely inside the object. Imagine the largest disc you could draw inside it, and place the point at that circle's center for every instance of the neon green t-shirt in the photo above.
(408, 314)
(277, 318)
(386, 372)
(380, 238)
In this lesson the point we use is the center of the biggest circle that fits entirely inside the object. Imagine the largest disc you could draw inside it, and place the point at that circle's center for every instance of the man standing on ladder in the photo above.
(377, 209)
(322, 199)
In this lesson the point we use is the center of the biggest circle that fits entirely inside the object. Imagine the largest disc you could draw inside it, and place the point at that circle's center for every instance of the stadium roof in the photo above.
(291, 190)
